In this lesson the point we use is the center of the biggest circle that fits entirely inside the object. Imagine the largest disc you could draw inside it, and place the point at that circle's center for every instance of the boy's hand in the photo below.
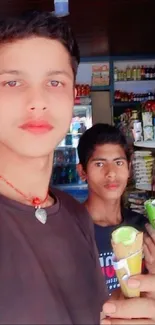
(134, 310)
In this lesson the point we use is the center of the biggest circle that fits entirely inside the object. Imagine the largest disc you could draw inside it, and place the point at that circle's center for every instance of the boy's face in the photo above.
(36, 95)
(107, 172)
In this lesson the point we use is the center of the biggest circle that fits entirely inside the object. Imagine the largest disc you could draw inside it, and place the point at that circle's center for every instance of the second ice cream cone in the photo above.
(128, 256)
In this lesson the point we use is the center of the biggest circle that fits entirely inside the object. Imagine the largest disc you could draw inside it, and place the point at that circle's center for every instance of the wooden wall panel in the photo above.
(102, 27)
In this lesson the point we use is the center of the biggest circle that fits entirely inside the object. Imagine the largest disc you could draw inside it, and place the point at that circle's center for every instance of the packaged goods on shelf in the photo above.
(138, 73)
(148, 133)
(147, 119)
(136, 201)
(142, 168)
(100, 75)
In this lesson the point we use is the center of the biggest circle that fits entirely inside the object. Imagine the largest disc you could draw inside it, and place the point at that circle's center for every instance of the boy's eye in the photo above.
(99, 164)
(119, 162)
(12, 83)
(54, 83)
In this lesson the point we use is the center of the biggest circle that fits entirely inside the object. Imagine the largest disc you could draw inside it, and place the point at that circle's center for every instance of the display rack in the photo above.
(132, 88)
(145, 144)
(64, 175)
(84, 76)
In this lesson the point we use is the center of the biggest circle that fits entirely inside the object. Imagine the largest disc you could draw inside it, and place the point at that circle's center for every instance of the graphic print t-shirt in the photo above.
(103, 242)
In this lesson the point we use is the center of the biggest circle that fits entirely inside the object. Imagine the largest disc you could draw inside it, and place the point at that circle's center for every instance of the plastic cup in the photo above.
(61, 8)
(125, 268)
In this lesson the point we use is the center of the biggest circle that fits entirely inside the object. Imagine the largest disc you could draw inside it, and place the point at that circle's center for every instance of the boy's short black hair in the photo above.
(100, 134)
(42, 24)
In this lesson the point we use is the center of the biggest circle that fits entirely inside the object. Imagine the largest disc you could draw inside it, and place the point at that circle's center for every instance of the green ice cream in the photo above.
(125, 235)
(150, 210)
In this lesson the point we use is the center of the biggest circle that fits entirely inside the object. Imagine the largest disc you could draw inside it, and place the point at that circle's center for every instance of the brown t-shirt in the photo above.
(49, 274)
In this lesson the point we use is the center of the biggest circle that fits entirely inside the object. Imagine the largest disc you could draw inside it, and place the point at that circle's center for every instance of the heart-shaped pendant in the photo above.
(41, 215)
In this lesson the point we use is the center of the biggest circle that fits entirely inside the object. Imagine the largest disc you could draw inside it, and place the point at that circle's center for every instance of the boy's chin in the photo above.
(111, 195)
(31, 151)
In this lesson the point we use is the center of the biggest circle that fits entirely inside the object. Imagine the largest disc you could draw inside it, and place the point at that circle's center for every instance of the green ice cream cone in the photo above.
(150, 209)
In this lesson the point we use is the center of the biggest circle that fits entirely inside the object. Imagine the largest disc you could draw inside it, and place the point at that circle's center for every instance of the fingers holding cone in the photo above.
(127, 245)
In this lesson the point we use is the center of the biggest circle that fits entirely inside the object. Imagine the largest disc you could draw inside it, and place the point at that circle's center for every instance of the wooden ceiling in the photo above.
(103, 27)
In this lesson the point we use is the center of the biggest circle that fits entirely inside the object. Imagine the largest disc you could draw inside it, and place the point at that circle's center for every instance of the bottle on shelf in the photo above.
(125, 76)
(134, 73)
(83, 90)
(119, 75)
(115, 74)
(153, 72)
(138, 76)
(128, 73)
(121, 96)
(143, 72)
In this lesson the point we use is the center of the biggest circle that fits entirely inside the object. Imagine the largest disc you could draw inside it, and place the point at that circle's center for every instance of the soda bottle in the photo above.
(70, 174)
(128, 73)
(63, 175)
(142, 73)
(138, 73)
(134, 73)
(115, 74)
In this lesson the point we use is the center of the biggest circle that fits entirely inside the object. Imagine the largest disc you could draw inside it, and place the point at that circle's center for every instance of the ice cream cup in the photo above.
(150, 210)
(126, 267)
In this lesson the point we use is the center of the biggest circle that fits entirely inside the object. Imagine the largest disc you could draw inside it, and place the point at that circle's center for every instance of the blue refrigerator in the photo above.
(64, 175)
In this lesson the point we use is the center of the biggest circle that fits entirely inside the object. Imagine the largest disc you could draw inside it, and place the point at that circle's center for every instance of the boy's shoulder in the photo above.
(75, 209)
(66, 200)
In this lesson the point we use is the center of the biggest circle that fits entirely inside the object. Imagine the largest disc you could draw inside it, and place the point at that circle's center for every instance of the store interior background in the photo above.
(114, 32)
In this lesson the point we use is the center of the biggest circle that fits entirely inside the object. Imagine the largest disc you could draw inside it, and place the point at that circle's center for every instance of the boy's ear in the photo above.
(75, 92)
(81, 172)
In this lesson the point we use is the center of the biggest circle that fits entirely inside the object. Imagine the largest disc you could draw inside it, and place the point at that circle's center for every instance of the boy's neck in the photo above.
(104, 212)
(29, 175)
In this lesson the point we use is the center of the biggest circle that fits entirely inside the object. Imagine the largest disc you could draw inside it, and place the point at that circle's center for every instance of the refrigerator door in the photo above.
(81, 121)
(64, 175)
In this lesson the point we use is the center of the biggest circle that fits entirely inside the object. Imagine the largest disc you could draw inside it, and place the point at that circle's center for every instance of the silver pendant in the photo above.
(41, 215)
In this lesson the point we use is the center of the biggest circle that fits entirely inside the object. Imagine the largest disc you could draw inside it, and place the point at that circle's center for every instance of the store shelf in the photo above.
(72, 186)
(126, 104)
(143, 187)
(82, 106)
(63, 147)
(100, 88)
(83, 100)
(64, 164)
(133, 81)
(74, 134)
(145, 144)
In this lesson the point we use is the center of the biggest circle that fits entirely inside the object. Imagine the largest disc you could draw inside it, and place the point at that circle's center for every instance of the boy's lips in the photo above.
(111, 186)
(36, 127)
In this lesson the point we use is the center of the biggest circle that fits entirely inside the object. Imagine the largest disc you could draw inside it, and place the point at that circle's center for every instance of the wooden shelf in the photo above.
(100, 88)
(133, 81)
(145, 144)
(126, 104)
(143, 187)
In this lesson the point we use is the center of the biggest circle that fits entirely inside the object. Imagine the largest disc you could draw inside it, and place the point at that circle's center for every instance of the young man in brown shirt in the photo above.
(49, 269)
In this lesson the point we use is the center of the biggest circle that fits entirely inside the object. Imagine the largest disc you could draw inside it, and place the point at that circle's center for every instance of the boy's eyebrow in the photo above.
(49, 73)
(105, 159)
(59, 72)
(5, 71)
(98, 159)
(120, 158)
